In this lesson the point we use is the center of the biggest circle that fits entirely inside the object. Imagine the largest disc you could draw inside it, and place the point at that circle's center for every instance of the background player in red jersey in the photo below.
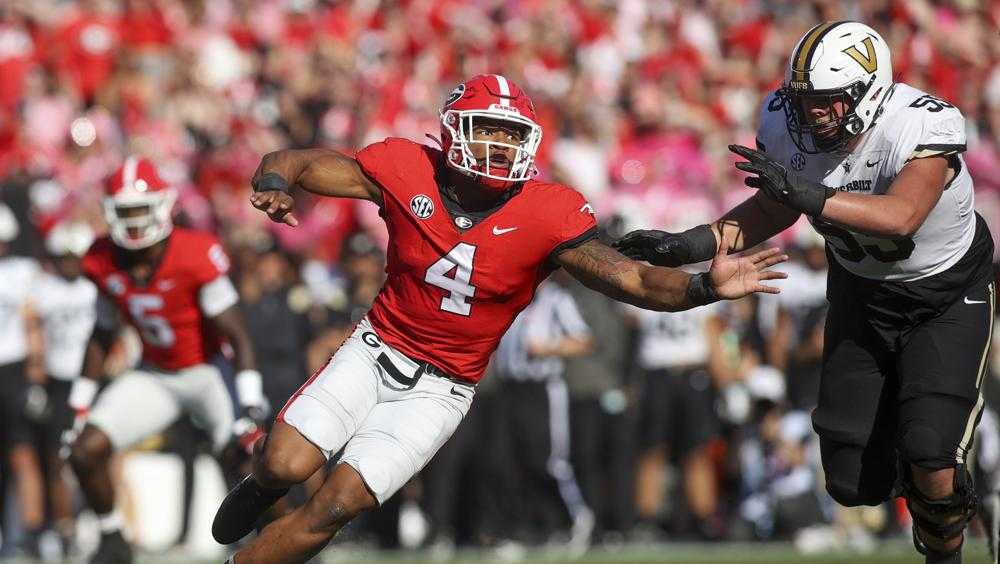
(172, 285)
(471, 237)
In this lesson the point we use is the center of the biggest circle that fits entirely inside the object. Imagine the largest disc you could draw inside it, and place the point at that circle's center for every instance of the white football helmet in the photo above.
(138, 205)
(69, 238)
(9, 228)
(838, 77)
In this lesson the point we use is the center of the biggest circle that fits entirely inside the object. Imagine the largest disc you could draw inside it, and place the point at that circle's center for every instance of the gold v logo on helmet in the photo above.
(868, 61)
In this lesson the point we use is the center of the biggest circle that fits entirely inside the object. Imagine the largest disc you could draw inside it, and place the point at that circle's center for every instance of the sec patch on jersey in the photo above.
(422, 206)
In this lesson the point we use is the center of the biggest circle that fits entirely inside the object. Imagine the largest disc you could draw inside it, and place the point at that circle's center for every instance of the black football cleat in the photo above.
(114, 549)
(241, 509)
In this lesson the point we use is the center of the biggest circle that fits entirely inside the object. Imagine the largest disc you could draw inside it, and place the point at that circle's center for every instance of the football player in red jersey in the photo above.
(172, 285)
(471, 237)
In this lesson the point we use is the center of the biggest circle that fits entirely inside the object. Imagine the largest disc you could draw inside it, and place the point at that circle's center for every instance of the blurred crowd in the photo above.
(680, 426)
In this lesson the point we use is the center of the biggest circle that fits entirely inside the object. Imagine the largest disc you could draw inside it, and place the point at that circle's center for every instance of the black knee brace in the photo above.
(935, 516)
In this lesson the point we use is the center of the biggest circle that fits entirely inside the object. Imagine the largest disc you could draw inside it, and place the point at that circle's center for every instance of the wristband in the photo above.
(270, 181)
(701, 243)
(81, 395)
(700, 290)
(249, 388)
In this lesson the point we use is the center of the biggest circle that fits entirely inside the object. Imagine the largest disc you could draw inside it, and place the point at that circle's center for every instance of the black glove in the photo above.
(663, 248)
(773, 179)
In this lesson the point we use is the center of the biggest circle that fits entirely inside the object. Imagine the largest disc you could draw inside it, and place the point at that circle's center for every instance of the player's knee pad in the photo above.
(852, 495)
(943, 519)
(921, 445)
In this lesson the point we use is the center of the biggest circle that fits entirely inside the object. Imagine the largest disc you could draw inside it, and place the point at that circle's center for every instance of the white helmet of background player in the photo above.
(69, 238)
(138, 205)
(9, 228)
(841, 71)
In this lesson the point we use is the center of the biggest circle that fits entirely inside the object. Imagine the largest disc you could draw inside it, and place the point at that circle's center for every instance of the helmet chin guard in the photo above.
(134, 231)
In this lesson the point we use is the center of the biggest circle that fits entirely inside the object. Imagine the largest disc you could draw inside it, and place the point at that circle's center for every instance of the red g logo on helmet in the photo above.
(455, 95)
(489, 97)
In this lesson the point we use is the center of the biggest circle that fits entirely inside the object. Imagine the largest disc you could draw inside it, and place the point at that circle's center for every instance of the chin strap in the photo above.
(436, 140)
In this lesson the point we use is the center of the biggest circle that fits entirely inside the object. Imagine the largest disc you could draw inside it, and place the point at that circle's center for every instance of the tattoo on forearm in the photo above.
(605, 270)
(601, 268)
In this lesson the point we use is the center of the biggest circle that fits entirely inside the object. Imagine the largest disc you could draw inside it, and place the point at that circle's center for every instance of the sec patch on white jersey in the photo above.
(914, 125)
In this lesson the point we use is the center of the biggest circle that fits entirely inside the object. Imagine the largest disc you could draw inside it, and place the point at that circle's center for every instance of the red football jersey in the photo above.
(166, 311)
(452, 290)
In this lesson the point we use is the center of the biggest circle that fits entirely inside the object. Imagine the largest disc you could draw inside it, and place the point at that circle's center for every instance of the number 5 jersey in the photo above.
(913, 125)
(170, 311)
(457, 279)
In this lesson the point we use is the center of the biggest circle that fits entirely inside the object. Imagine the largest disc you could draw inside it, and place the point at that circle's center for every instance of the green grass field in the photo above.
(889, 553)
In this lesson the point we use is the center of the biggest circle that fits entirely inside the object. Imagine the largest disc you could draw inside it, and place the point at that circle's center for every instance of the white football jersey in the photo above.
(672, 339)
(18, 275)
(913, 125)
(67, 310)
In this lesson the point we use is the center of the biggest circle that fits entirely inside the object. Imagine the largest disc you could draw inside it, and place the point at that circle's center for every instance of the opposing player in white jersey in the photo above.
(64, 302)
(19, 383)
(877, 168)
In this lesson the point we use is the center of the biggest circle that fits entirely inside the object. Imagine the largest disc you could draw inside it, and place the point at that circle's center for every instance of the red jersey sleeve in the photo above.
(210, 261)
(393, 164)
(573, 218)
(375, 162)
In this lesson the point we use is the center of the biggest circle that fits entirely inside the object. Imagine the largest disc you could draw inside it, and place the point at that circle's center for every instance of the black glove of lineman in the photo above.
(773, 179)
(663, 248)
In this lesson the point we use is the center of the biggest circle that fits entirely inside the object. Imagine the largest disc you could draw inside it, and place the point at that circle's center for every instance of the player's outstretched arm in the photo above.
(902, 209)
(897, 213)
(745, 226)
(321, 171)
(605, 270)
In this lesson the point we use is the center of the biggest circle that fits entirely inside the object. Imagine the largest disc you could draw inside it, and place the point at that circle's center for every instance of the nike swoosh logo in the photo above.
(972, 302)
(498, 231)
(455, 392)
(870, 164)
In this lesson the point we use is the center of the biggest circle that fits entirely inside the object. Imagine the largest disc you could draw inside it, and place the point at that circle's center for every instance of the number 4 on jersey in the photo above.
(459, 259)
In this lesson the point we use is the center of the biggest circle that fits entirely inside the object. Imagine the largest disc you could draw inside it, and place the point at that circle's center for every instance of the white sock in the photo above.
(110, 522)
